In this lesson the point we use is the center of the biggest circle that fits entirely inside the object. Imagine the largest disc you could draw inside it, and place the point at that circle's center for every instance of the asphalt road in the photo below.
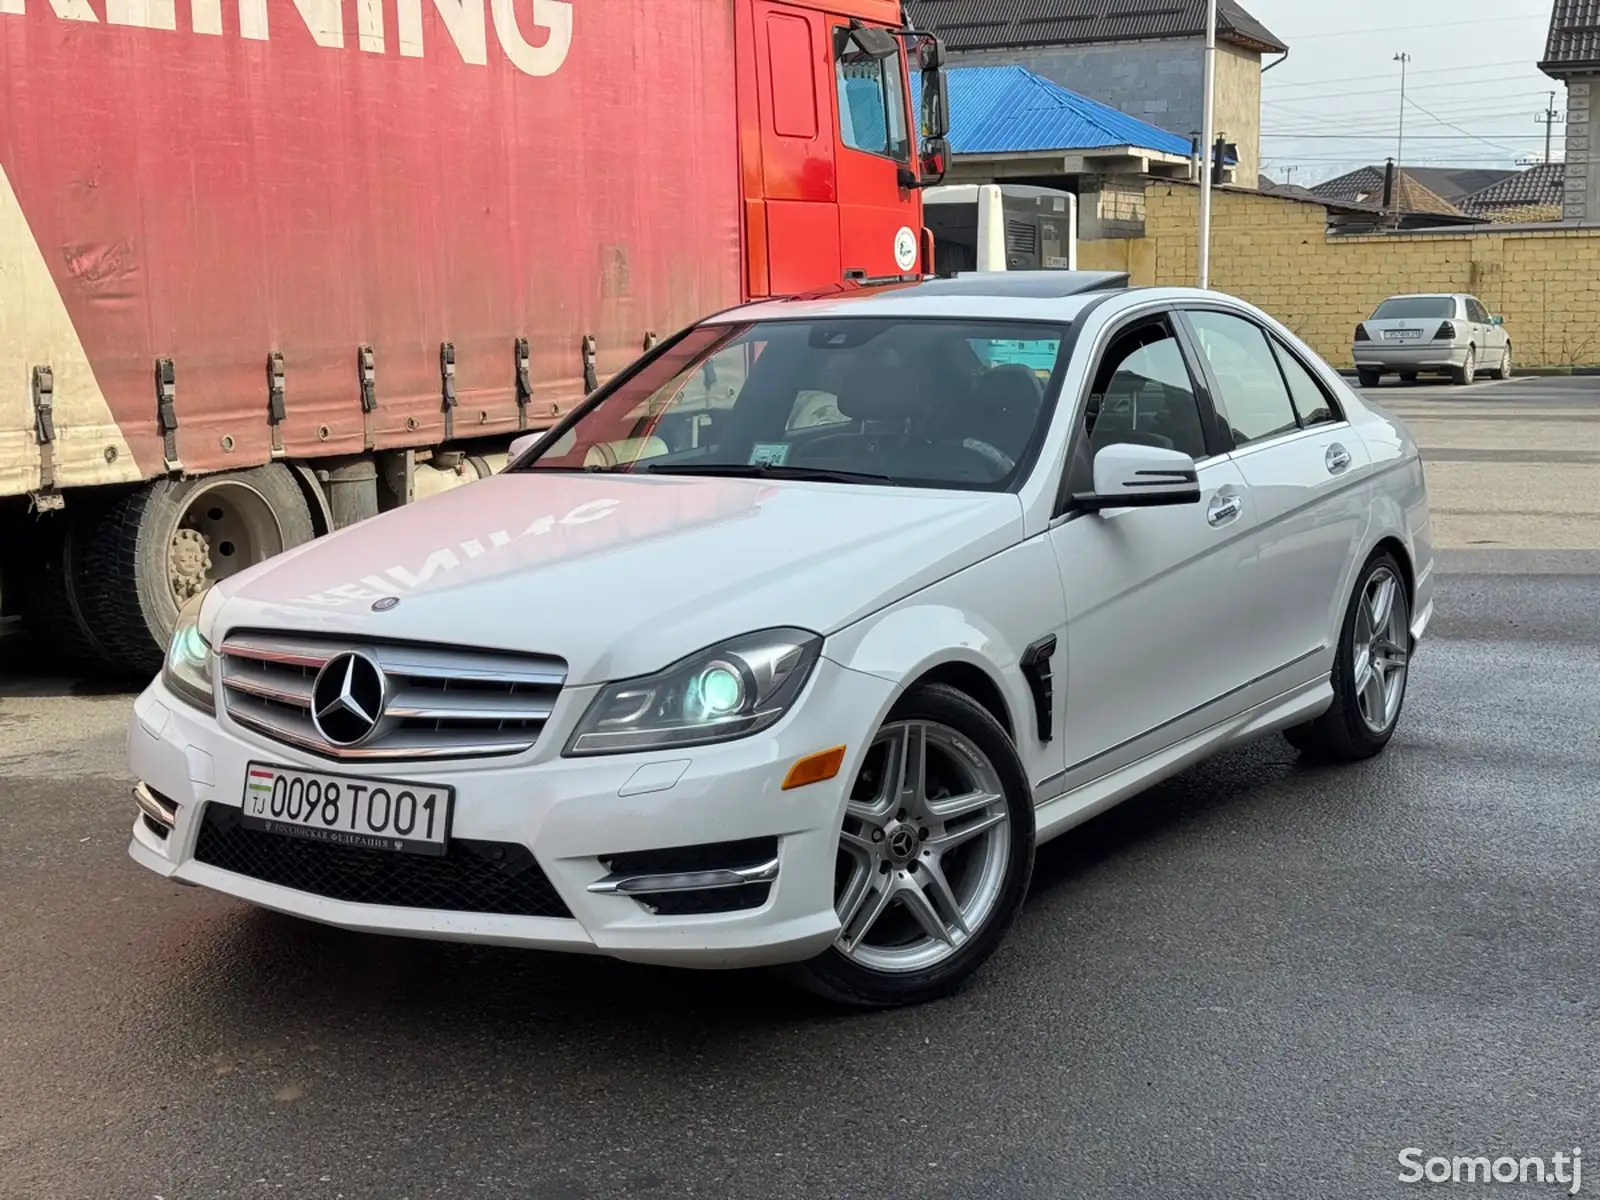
(1259, 979)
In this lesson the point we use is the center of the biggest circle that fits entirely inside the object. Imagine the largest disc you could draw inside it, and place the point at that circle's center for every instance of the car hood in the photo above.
(617, 574)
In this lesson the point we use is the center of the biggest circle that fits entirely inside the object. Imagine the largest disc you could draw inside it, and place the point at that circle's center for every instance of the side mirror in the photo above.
(934, 119)
(1128, 476)
(521, 445)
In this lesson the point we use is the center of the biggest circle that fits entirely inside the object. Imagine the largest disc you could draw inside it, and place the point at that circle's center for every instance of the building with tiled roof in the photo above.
(1146, 59)
(1528, 196)
(1572, 55)
(1365, 186)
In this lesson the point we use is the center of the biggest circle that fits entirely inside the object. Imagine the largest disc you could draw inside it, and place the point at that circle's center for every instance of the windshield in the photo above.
(909, 402)
(1415, 306)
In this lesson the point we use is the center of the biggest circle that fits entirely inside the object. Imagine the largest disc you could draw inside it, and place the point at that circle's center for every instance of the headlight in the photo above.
(188, 670)
(726, 692)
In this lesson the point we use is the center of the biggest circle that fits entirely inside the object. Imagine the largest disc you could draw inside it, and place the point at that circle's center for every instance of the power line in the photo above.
(1453, 125)
(1368, 32)
(1454, 83)
(1311, 83)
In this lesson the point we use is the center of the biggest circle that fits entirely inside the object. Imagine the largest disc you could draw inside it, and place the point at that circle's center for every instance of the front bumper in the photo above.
(570, 813)
(1428, 356)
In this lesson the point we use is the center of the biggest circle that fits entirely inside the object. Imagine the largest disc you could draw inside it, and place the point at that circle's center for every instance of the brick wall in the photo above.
(1277, 254)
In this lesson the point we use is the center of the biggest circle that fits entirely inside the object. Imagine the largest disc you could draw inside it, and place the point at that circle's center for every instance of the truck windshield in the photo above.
(1415, 306)
(910, 402)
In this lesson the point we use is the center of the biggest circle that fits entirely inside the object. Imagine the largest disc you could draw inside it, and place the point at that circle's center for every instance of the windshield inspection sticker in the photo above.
(769, 454)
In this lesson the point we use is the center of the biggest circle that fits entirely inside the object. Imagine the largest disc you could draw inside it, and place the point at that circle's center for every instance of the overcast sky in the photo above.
(1472, 84)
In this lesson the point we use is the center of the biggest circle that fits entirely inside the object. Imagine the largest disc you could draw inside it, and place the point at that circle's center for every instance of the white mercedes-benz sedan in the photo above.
(792, 643)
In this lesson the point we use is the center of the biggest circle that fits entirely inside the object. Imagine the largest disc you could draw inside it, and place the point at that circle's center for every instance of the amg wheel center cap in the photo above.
(902, 844)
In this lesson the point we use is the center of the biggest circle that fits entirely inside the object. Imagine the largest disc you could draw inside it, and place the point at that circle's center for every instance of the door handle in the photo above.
(1224, 508)
(1338, 458)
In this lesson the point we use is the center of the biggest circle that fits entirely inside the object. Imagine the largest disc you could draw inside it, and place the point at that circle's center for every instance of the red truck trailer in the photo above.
(270, 266)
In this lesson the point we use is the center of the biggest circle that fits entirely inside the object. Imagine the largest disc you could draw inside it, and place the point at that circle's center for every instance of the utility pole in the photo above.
(1208, 135)
(1288, 173)
(1549, 118)
(1400, 151)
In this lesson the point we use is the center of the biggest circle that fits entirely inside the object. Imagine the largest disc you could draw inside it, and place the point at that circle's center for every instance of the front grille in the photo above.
(436, 702)
(474, 876)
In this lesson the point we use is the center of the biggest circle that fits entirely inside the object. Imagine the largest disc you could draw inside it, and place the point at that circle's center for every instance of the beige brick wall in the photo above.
(1277, 254)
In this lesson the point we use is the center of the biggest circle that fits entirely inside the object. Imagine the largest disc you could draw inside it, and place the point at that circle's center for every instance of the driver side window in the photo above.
(1143, 394)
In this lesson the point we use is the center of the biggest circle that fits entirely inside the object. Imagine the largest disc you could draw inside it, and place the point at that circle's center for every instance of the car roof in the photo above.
(987, 295)
(1426, 296)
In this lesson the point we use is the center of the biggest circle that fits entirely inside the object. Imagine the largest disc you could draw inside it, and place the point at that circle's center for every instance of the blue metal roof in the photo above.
(1000, 110)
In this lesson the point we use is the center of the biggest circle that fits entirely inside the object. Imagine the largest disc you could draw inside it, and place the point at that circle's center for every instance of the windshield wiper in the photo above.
(770, 471)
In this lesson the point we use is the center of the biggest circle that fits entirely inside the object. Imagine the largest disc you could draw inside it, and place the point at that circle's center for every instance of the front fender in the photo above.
(982, 618)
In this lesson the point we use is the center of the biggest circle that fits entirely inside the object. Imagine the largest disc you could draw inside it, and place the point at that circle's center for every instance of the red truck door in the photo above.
(791, 200)
(880, 220)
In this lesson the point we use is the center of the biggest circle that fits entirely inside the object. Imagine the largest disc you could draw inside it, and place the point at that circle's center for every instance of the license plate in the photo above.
(372, 814)
(1402, 335)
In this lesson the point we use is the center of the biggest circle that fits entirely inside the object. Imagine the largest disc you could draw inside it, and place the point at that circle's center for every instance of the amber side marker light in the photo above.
(814, 768)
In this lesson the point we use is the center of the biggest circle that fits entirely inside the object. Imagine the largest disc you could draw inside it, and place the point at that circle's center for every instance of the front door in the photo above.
(880, 221)
(1158, 599)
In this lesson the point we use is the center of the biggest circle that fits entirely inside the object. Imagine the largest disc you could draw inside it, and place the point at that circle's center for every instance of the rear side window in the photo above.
(1254, 398)
(1413, 307)
(1311, 403)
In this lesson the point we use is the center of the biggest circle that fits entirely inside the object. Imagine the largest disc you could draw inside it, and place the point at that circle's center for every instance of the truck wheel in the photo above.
(60, 632)
(160, 546)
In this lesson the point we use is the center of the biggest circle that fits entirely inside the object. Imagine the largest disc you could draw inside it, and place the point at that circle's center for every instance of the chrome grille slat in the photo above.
(442, 703)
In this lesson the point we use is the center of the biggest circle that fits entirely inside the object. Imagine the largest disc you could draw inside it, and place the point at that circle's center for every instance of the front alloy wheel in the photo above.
(934, 855)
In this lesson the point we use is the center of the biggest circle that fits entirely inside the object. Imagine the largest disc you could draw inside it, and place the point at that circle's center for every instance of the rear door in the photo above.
(791, 197)
(879, 220)
(1308, 474)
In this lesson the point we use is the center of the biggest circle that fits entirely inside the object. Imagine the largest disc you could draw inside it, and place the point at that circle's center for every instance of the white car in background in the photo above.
(720, 674)
(1450, 335)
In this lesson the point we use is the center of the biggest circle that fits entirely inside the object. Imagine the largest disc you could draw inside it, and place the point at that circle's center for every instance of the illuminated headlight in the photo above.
(188, 670)
(729, 691)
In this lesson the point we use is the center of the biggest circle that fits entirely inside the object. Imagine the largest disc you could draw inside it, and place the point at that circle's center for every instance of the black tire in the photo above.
(1408, 376)
(837, 978)
(57, 630)
(128, 594)
(1502, 370)
(1467, 372)
(1340, 734)
(1369, 379)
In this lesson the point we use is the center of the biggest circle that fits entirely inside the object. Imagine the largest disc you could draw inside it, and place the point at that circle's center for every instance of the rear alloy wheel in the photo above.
(1467, 371)
(934, 856)
(158, 547)
(1503, 371)
(1369, 379)
(1370, 670)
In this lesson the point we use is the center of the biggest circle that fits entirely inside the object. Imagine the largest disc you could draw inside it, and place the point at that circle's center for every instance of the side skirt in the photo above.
(1155, 762)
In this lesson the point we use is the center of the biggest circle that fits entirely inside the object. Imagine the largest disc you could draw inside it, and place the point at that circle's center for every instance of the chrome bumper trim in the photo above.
(685, 881)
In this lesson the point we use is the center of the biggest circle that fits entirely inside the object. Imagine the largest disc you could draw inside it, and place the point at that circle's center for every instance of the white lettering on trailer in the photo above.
(462, 20)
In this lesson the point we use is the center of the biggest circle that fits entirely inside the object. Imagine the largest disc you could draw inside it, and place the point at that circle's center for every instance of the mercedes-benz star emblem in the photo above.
(385, 604)
(347, 699)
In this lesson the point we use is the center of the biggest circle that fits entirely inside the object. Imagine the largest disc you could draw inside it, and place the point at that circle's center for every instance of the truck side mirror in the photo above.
(935, 116)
